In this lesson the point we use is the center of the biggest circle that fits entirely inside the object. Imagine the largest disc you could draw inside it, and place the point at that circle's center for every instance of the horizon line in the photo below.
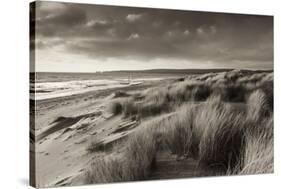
(167, 69)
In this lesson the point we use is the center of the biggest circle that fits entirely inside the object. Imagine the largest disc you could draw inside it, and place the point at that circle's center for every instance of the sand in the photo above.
(65, 126)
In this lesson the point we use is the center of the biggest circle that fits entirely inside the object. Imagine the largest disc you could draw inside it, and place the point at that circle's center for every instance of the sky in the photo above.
(87, 38)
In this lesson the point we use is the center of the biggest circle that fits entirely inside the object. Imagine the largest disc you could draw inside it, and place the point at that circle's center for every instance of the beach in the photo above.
(84, 134)
(68, 120)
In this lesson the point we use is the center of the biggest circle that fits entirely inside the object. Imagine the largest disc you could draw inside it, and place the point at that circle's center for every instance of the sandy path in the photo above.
(168, 167)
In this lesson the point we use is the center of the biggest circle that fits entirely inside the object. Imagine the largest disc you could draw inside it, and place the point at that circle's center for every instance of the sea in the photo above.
(47, 85)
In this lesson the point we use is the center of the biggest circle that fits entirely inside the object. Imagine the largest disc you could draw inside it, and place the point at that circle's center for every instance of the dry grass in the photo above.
(105, 171)
(234, 86)
(227, 128)
(258, 149)
(135, 164)
(179, 135)
(95, 146)
(258, 106)
(115, 107)
(120, 94)
(221, 138)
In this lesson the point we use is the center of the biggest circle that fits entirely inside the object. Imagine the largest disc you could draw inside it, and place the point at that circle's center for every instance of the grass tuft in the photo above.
(115, 107)
(225, 123)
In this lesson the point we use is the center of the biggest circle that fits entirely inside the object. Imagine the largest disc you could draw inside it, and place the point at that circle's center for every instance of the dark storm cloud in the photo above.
(137, 33)
(58, 19)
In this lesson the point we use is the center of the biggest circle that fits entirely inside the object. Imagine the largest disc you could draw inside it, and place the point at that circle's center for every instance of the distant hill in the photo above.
(184, 71)
(160, 71)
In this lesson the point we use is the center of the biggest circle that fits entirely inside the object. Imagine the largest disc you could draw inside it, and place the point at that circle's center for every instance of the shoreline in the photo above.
(60, 90)
(98, 93)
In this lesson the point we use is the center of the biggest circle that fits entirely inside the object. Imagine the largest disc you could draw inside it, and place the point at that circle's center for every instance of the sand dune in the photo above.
(106, 126)
(66, 131)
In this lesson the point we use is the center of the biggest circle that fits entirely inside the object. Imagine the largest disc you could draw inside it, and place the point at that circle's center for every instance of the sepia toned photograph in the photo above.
(123, 94)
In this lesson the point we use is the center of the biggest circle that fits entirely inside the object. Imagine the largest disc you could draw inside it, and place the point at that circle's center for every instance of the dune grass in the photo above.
(227, 129)
(134, 164)
(95, 146)
(258, 149)
(230, 86)
(221, 136)
(115, 107)
(179, 136)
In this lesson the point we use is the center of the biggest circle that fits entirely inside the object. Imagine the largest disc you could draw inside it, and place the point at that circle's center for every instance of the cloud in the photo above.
(186, 32)
(45, 43)
(206, 30)
(133, 36)
(55, 19)
(50, 7)
(96, 23)
(170, 34)
(133, 17)
(98, 28)
(213, 29)
(106, 32)
(200, 31)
